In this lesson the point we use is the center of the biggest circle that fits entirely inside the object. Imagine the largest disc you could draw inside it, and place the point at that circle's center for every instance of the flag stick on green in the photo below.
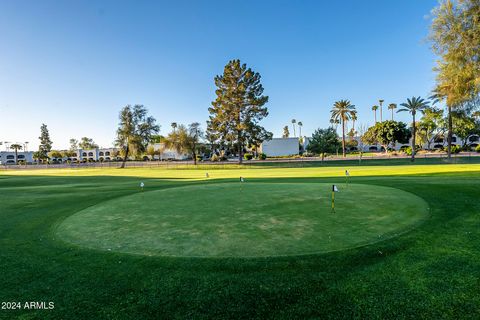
(334, 189)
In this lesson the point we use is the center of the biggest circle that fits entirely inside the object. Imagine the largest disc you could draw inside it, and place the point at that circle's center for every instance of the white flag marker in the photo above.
(347, 174)
(334, 189)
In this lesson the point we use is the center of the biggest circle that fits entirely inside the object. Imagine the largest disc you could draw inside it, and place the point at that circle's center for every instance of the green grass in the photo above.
(244, 220)
(431, 271)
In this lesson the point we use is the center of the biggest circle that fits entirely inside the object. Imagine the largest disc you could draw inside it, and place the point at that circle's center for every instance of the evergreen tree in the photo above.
(464, 126)
(135, 130)
(324, 141)
(386, 133)
(45, 143)
(239, 107)
(87, 143)
(73, 144)
(430, 126)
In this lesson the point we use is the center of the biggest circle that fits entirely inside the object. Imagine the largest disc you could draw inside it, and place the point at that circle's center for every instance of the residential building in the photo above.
(8, 157)
(163, 153)
(280, 147)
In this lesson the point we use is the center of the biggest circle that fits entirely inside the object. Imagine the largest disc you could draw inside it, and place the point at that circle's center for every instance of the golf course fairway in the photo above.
(251, 219)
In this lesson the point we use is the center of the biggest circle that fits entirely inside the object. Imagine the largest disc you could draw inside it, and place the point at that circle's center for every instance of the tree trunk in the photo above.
(375, 113)
(16, 156)
(343, 138)
(449, 135)
(125, 158)
(194, 158)
(240, 152)
(413, 138)
(323, 156)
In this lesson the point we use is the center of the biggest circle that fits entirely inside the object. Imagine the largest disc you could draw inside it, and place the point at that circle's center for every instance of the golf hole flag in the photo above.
(334, 189)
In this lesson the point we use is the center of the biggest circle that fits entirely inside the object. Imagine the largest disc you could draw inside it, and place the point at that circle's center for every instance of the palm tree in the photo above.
(392, 106)
(342, 111)
(334, 122)
(375, 108)
(354, 118)
(293, 123)
(286, 133)
(412, 106)
(16, 147)
(174, 126)
(300, 125)
(446, 92)
(381, 103)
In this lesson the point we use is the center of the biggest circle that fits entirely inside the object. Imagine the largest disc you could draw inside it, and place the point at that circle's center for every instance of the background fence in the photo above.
(365, 159)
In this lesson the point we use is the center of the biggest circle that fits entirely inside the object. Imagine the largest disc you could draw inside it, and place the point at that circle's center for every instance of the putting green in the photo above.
(244, 219)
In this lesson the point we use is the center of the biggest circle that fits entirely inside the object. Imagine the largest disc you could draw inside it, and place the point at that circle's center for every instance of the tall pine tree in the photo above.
(239, 107)
(45, 143)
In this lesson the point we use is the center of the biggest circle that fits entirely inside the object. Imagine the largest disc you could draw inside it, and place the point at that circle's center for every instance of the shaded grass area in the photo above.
(430, 272)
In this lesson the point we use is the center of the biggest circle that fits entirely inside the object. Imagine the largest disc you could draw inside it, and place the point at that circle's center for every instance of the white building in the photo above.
(97, 154)
(437, 143)
(167, 154)
(280, 147)
(8, 157)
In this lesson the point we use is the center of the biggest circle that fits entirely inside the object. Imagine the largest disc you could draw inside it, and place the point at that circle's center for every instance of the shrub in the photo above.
(477, 148)
(456, 149)
(408, 150)
(263, 156)
(248, 156)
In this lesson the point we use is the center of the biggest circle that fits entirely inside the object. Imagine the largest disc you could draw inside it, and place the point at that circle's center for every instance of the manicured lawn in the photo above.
(431, 270)
(244, 219)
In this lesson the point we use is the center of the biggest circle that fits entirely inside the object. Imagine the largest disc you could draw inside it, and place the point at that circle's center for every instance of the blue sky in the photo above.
(74, 64)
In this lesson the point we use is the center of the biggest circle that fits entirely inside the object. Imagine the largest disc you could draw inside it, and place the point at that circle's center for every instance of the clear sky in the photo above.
(74, 64)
